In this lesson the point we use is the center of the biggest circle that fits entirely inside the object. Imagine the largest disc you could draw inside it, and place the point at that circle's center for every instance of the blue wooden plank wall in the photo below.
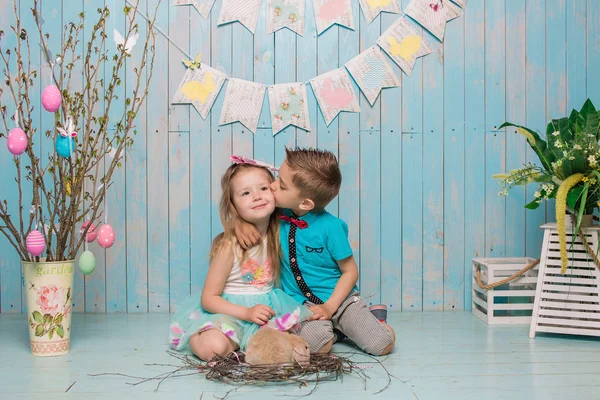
(417, 194)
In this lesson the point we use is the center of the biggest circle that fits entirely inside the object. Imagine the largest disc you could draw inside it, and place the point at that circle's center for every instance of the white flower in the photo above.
(571, 158)
(558, 144)
(537, 194)
(592, 159)
(577, 147)
(565, 153)
(555, 133)
(505, 192)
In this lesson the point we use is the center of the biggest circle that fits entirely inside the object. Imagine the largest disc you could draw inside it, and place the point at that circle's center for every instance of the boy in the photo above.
(317, 265)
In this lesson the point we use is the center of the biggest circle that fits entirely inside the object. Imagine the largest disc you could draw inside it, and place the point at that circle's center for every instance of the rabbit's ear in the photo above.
(301, 353)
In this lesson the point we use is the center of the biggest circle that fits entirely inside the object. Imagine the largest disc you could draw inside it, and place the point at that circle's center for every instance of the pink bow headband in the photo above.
(246, 160)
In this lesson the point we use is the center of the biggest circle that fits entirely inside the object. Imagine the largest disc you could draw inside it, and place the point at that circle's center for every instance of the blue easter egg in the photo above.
(65, 146)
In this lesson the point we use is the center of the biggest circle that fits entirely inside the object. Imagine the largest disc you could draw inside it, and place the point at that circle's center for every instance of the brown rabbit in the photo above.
(270, 346)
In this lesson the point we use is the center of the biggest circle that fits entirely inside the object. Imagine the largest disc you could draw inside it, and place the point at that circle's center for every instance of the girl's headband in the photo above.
(245, 160)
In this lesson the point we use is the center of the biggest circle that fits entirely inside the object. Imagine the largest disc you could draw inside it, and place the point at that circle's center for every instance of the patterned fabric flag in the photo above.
(200, 86)
(243, 102)
(288, 106)
(372, 73)
(244, 11)
(334, 93)
(203, 6)
(462, 3)
(285, 13)
(329, 12)
(433, 14)
(403, 44)
(372, 8)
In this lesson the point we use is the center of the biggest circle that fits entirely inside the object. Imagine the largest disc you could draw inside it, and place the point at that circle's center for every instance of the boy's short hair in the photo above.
(316, 173)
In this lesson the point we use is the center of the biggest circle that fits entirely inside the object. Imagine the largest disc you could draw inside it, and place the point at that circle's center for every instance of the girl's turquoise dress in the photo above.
(249, 283)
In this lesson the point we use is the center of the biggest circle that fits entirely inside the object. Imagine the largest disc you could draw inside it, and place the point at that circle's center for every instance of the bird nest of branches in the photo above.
(234, 370)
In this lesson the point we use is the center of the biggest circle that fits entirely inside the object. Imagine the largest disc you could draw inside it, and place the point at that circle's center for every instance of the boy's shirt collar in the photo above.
(309, 217)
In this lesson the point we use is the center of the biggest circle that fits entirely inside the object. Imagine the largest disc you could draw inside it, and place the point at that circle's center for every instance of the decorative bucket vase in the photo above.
(49, 293)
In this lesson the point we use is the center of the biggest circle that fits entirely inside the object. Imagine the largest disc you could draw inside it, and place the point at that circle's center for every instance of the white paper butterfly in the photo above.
(68, 130)
(131, 40)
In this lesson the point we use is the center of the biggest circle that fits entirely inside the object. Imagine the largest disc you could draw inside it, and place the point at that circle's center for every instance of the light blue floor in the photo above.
(437, 356)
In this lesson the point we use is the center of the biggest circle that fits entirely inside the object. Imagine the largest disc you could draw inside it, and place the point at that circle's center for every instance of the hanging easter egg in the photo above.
(91, 235)
(51, 98)
(35, 243)
(16, 141)
(87, 262)
(65, 146)
(106, 236)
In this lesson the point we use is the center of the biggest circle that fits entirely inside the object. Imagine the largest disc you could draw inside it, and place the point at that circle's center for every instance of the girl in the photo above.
(238, 294)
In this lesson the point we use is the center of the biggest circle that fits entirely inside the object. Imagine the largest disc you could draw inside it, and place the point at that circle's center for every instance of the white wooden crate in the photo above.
(511, 303)
(567, 303)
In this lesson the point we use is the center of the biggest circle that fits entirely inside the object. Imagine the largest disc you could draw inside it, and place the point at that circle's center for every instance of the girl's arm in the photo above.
(219, 270)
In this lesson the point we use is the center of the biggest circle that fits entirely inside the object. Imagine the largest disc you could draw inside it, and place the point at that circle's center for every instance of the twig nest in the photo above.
(16, 141)
(51, 98)
(35, 243)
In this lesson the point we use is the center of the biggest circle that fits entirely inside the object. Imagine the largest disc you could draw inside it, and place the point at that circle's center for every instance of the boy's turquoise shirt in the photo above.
(318, 248)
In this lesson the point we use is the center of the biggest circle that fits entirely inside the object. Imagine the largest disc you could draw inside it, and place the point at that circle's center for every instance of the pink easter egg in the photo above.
(16, 141)
(51, 98)
(91, 235)
(106, 236)
(35, 243)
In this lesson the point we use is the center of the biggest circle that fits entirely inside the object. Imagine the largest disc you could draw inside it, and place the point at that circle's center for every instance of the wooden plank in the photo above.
(576, 54)
(135, 186)
(200, 167)
(475, 177)
(116, 257)
(412, 185)
(158, 169)
(535, 116)
(593, 51)
(285, 72)
(179, 159)
(370, 180)
(495, 99)
(433, 167)
(264, 72)
(516, 145)
(306, 68)
(391, 181)
(95, 283)
(453, 165)
(10, 262)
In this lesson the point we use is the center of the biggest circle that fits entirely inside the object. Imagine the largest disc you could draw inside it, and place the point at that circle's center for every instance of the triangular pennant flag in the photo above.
(372, 73)
(329, 12)
(289, 106)
(285, 14)
(334, 93)
(203, 6)
(200, 86)
(462, 3)
(403, 44)
(243, 102)
(244, 11)
(372, 8)
(433, 14)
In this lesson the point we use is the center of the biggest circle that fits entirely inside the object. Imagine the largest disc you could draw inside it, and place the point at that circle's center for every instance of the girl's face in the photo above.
(251, 195)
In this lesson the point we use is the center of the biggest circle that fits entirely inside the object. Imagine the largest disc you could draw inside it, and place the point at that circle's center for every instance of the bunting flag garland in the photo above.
(403, 44)
(433, 14)
(372, 73)
(462, 3)
(329, 12)
(199, 86)
(289, 106)
(372, 8)
(203, 6)
(244, 11)
(285, 14)
(243, 103)
(334, 94)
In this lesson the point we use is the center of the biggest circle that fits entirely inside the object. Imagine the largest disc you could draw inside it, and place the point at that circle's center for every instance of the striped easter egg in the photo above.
(35, 243)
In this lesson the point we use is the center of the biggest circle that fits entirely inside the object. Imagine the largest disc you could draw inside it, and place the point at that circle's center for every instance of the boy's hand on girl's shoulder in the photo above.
(246, 233)
(321, 311)
(259, 314)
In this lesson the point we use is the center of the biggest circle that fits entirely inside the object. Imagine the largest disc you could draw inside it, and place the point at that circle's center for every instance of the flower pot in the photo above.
(49, 293)
(586, 220)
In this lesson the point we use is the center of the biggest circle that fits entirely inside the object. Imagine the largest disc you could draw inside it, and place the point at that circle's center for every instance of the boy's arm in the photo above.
(246, 233)
(211, 299)
(341, 291)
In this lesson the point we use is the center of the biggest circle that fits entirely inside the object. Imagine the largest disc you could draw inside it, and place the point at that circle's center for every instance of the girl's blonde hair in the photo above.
(229, 214)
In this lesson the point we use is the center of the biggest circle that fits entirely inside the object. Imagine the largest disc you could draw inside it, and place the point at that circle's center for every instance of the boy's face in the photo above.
(286, 194)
